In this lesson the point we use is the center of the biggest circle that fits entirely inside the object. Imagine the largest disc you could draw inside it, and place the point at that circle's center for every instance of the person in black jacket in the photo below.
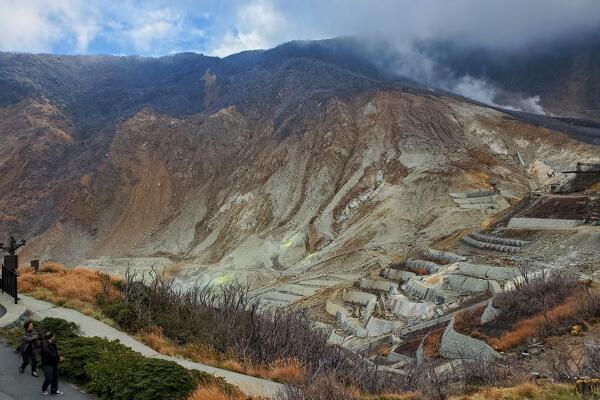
(30, 343)
(50, 360)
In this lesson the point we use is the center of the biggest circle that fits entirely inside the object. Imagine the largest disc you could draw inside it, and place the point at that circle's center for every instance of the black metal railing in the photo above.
(9, 282)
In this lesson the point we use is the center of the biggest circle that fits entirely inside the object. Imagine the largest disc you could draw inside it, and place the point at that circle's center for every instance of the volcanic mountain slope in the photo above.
(269, 165)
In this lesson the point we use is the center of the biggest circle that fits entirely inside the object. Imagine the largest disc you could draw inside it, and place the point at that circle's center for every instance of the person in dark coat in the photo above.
(50, 360)
(30, 343)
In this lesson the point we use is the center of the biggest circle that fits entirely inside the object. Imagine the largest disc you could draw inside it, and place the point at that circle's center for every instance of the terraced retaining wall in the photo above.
(378, 326)
(462, 283)
(490, 246)
(490, 313)
(401, 305)
(429, 266)
(398, 274)
(444, 256)
(354, 296)
(498, 240)
(459, 346)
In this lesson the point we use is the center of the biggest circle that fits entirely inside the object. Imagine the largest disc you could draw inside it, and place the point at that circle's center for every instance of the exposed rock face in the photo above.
(325, 171)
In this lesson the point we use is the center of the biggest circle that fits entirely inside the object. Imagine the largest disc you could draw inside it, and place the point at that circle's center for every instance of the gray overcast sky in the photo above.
(158, 27)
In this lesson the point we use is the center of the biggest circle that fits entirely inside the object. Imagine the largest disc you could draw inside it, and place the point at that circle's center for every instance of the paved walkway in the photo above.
(16, 386)
(91, 327)
(10, 313)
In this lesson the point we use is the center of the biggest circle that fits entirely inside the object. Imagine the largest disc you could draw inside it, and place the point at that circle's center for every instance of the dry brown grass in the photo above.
(581, 305)
(51, 267)
(534, 326)
(419, 271)
(468, 323)
(393, 396)
(212, 393)
(468, 319)
(283, 370)
(154, 338)
(431, 343)
(525, 390)
(76, 288)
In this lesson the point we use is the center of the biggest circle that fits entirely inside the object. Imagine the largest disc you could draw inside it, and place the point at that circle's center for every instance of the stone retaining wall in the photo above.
(422, 292)
(444, 256)
(455, 345)
(402, 305)
(378, 326)
(351, 325)
(476, 200)
(498, 240)
(398, 274)
(487, 271)
(377, 284)
(462, 283)
(490, 313)
(429, 266)
(490, 246)
(354, 296)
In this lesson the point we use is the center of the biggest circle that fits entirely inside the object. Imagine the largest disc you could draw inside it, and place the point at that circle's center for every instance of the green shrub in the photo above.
(61, 328)
(82, 351)
(113, 371)
(131, 376)
(122, 313)
(12, 336)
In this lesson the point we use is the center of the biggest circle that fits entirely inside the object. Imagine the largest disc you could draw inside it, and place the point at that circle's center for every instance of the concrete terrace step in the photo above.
(91, 327)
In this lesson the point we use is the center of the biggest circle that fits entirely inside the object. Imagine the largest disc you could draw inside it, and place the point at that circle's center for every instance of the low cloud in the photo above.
(154, 30)
(222, 27)
(35, 26)
(257, 26)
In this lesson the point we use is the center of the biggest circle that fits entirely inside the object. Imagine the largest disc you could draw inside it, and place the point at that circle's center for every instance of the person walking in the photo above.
(30, 343)
(50, 360)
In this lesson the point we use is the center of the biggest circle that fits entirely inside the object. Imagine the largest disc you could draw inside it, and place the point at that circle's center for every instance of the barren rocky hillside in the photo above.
(260, 165)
